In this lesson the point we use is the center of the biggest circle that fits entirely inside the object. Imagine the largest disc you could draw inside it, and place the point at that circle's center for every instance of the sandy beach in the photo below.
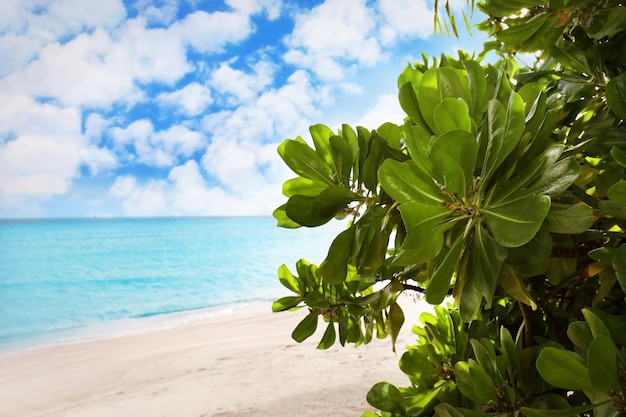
(242, 363)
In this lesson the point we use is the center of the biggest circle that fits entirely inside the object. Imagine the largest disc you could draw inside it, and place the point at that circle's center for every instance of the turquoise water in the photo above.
(67, 277)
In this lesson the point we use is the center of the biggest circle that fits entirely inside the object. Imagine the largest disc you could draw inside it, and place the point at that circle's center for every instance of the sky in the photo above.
(176, 107)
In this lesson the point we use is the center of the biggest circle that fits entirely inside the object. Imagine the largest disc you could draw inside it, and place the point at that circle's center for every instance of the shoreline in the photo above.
(234, 364)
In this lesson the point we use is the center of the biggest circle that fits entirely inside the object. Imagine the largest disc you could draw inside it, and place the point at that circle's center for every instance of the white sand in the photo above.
(239, 364)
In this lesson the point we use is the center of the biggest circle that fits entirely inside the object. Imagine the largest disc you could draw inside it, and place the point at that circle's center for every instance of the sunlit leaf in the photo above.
(386, 397)
(329, 337)
(452, 114)
(303, 186)
(405, 182)
(514, 285)
(304, 161)
(563, 369)
(305, 328)
(454, 153)
(286, 303)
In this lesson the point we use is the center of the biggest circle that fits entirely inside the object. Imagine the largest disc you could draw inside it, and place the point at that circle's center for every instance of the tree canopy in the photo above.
(501, 200)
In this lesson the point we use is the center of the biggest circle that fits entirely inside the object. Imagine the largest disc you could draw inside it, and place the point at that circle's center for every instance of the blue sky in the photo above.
(176, 107)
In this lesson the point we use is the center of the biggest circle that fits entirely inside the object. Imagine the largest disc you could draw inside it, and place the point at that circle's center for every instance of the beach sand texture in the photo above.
(238, 364)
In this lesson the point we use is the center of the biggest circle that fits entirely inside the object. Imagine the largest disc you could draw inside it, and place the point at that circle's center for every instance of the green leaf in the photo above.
(329, 337)
(285, 303)
(303, 186)
(576, 218)
(572, 57)
(602, 364)
(436, 85)
(616, 95)
(565, 412)
(455, 154)
(304, 161)
(333, 200)
(482, 384)
(288, 280)
(416, 364)
(386, 397)
(321, 135)
(617, 210)
(515, 286)
(617, 193)
(452, 114)
(305, 328)
(514, 224)
(505, 126)
(342, 156)
(424, 238)
(580, 334)
(488, 258)
(615, 23)
(280, 214)
(596, 324)
(405, 182)
(301, 210)
(439, 283)
(532, 258)
(619, 155)
(395, 320)
(563, 369)
(334, 268)
(619, 265)
(316, 300)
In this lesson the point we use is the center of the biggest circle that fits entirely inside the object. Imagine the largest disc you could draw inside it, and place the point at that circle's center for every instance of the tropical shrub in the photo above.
(502, 200)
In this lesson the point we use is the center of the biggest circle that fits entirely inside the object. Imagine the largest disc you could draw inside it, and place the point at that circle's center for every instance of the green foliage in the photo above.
(504, 191)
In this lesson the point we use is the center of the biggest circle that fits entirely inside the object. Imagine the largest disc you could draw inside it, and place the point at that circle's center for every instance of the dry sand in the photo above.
(238, 364)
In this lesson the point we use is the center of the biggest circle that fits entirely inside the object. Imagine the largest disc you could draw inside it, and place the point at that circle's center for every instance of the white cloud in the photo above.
(331, 34)
(140, 200)
(46, 149)
(271, 7)
(243, 86)
(161, 148)
(386, 109)
(157, 11)
(191, 100)
(405, 19)
(210, 32)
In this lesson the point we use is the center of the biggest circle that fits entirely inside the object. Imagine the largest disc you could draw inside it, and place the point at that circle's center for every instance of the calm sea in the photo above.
(65, 279)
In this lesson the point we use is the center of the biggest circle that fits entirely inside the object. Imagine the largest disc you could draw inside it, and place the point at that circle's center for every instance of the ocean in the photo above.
(70, 279)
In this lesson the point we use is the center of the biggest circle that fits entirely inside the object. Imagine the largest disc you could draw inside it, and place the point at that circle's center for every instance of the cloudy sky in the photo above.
(176, 107)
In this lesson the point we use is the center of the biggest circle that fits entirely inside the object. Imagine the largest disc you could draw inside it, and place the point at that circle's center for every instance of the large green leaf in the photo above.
(532, 258)
(514, 224)
(334, 268)
(343, 157)
(304, 161)
(619, 265)
(556, 178)
(424, 237)
(282, 220)
(452, 114)
(439, 283)
(615, 23)
(329, 337)
(386, 397)
(454, 153)
(576, 218)
(563, 369)
(617, 193)
(418, 141)
(288, 280)
(602, 364)
(488, 258)
(478, 87)
(436, 85)
(286, 303)
(405, 182)
(505, 126)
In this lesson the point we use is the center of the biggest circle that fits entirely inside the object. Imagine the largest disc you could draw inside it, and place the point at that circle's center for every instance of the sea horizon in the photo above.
(66, 279)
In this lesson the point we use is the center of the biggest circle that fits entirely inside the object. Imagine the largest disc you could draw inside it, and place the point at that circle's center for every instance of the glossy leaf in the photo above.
(454, 153)
(617, 193)
(304, 161)
(563, 369)
(303, 186)
(424, 235)
(514, 224)
(452, 114)
(405, 182)
(616, 95)
(619, 265)
(282, 220)
(321, 135)
(342, 157)
(288, 280)
(395, 320)
(436, 85)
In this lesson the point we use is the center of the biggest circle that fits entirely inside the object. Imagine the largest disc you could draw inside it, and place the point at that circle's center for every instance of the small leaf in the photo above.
(563, 369)
(395, 320)
(619, 265)
(514, 286)
(305, 328)
(285, 303)
(329, 337)
(288, 280)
